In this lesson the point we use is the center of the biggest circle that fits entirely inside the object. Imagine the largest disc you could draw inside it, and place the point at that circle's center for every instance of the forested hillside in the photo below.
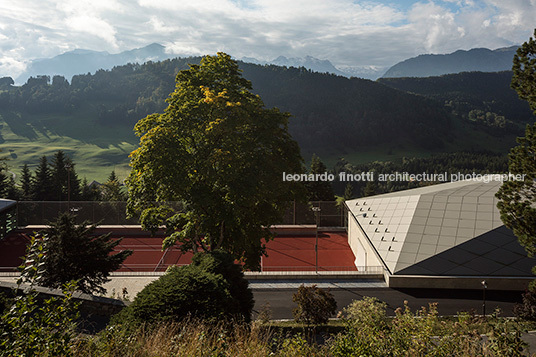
(480, 97)
(92, 117)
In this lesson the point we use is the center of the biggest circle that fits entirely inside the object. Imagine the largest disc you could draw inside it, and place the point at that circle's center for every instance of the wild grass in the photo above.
(418, 334)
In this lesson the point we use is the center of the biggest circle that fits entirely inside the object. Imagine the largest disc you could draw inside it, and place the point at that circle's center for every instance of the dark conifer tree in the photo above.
(73, 252)
(89, 192)
(319, 190)
(111, 190)
(59, 174)
(348, 191)
(64, 178)
(42, 185)
(73, 182)
(12, 192)
(517, 199)
(26, 183)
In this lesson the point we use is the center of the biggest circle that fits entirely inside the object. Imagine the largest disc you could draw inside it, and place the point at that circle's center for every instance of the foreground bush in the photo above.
(221, 263)
(31, 325)
(315, 305)
(527, 309)
(419, 334)
(211, 288)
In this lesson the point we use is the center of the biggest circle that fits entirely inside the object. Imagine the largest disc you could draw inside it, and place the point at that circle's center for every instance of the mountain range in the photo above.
(82, 61)
(476, 59)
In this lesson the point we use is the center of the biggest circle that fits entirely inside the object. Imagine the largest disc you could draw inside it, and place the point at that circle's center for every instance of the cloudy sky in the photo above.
(347, 32)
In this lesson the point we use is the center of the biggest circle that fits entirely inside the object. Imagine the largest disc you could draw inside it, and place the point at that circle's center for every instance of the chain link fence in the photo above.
(321, 213)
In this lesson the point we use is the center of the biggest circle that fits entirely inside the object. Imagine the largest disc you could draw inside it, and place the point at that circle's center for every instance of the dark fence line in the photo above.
(321, 213)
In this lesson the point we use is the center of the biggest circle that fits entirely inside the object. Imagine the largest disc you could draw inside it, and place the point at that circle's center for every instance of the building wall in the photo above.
(358, 242)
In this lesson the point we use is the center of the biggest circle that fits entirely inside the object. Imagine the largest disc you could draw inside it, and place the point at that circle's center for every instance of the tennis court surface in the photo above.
(286, 252)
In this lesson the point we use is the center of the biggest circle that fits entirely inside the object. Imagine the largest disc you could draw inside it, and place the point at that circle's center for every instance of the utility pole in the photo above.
(316, 210)
(68, 167)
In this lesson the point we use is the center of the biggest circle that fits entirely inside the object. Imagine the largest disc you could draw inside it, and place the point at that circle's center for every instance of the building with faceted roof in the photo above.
(445, 236)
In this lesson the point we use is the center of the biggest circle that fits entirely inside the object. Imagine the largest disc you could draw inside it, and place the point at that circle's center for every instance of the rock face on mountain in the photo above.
(476, 59)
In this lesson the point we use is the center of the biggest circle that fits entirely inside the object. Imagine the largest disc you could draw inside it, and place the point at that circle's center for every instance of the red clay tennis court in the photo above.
(287, 252)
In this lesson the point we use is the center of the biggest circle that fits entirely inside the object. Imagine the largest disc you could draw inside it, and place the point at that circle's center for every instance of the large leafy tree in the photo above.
(73, 252)
(219, 151)
(517, 199)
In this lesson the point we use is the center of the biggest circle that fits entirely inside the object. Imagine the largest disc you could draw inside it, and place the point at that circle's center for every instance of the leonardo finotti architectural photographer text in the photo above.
(402, 177)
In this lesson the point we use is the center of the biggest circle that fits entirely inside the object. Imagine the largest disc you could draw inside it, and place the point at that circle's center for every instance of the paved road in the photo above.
(450, 301)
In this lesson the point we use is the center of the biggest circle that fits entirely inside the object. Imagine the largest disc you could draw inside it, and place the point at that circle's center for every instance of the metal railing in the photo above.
(324, 268)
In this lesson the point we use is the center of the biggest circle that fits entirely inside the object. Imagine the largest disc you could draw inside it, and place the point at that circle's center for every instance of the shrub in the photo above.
(409, 334)
(222, 263)
(210, 288)
(315, 305)
(31, 326)
(4, 302)
(527, 309)
(185, 291)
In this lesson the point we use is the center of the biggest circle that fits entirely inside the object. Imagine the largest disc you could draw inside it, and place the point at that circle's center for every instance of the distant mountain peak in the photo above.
(475, 59)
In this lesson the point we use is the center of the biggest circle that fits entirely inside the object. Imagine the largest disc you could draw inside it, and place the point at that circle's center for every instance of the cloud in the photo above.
(347, 32)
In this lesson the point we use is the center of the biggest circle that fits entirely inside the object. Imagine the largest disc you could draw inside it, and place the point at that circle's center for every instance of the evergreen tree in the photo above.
(112, 189)
(370, 189)
(517, 199)
(74, 253)
(26, 183)
(348, 191)
(42, 186)
(4, 178)
(73, 182)
(12, 193)
(4, 184)
(319, 190)
(59, 175)
(89, 192)
(65, 181)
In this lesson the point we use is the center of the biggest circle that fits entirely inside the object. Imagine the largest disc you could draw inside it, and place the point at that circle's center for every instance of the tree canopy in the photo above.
(517, 199)
(217, 149)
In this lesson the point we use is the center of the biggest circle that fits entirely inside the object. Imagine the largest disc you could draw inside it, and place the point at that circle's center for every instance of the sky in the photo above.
(346, 32)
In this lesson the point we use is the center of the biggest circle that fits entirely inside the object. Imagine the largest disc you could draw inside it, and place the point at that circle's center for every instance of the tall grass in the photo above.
(187, 338)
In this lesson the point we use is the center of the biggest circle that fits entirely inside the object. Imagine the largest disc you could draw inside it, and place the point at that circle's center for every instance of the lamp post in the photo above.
(484, 287)
(316, 210)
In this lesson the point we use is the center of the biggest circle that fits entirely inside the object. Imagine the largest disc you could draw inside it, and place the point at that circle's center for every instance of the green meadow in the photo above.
(95, 149)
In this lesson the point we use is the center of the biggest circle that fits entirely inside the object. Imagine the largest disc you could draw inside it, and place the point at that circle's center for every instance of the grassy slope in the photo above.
(95, 149)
